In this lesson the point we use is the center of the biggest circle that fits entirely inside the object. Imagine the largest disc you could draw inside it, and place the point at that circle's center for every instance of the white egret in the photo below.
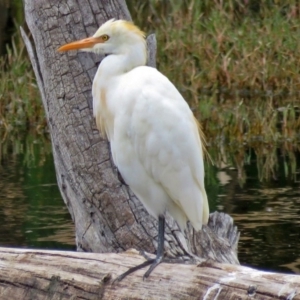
(156, 142)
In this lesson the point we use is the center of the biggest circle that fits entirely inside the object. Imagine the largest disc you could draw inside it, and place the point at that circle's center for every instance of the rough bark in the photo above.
(35, 274)
(107, 216)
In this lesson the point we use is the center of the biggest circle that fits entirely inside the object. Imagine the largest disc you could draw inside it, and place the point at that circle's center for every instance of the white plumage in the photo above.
(154, 137)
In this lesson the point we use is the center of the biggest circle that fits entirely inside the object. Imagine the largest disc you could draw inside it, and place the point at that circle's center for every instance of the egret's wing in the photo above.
(166, 141)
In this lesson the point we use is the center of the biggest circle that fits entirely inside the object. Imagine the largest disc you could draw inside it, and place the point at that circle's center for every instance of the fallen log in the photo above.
(43, 274)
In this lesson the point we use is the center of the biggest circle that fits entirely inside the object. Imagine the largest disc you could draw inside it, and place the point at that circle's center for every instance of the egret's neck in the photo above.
(110, 68)
(127, 59)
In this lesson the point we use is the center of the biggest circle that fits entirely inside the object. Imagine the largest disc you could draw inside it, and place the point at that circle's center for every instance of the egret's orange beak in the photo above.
(85, 43)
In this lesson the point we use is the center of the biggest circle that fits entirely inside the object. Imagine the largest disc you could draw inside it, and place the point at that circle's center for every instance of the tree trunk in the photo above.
(35, 274)
(107, 216)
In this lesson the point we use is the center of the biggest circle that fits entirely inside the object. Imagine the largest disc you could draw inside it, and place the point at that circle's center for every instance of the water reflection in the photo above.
(267, 214)
(32, 212)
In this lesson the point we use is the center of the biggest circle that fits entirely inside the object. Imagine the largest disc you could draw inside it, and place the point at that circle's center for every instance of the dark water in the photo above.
(33, 215)
(266, 212)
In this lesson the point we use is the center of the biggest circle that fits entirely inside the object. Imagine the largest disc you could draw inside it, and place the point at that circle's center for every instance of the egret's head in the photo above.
(113, 37)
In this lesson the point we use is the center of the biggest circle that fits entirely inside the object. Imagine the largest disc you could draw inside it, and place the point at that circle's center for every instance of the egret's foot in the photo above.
(154, 262)
(146, 256)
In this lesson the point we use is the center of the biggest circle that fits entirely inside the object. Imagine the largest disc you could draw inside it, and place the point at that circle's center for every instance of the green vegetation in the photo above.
(22, 121)
(20, 106)
(239, 64)
(225, 46)
(236, 62)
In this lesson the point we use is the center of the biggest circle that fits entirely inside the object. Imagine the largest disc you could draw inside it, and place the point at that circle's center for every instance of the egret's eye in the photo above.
(105, 37)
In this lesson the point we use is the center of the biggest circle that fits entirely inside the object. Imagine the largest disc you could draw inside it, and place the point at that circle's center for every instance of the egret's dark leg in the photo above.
(160, 246)
(159, 254)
